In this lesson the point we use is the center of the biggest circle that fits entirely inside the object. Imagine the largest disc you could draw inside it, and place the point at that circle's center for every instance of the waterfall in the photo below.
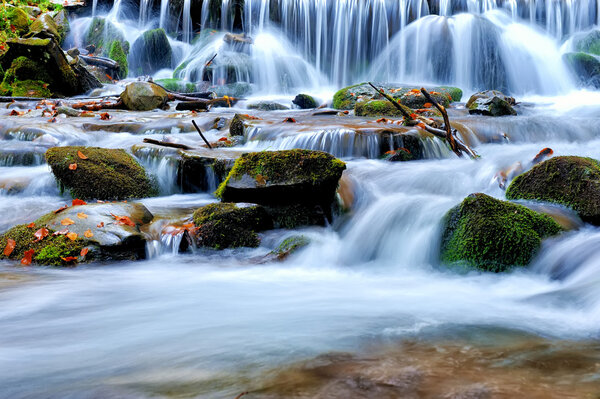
(187, 21)
(144, 10)
(164, 9)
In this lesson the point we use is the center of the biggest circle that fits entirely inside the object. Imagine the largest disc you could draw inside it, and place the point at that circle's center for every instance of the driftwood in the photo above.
(100, 62)
(98, 105)
(200, 133)
(198, 104)
(429, 125)
(167, 144)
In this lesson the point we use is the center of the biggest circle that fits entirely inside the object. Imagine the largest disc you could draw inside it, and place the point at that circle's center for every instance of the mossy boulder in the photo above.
(150, 52)
(62, 23)
(585, 67)
(106, 174)
(144, 96)
(267, 106)
(409, 96)
(283, 178)
(305, 101)
(101, 34)
(238, 125)
(117, 54)
(492, 235)
(177, 85)
(491, 103)
(45, 27)
(589, 43)
(567, 180)
(227, 225)
(18, 18)
(288, 246)
(376, 108)
(18, 83)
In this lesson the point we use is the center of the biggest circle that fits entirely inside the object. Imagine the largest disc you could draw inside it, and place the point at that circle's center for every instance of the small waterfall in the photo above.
(94, 5)
(145, 8)
(164, 13)
(187, 21)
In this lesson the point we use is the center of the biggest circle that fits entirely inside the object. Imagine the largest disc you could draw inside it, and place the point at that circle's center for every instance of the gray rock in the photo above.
(491, 103)
(144, 96)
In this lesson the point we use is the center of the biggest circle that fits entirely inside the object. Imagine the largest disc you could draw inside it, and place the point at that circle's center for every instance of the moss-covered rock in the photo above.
(288, 246)
(62, 23)
(568, 180)
(30, 88)
(117, 54)
(144, 96)
(283, 178)
(409, 96)
(491, 103)
(585, 67)
(45, 27)
(376, 108)
(298, 215)
(305, 101)
(150, 52)
(106, 174)
(226, 225)
(101, 33)
(493, 235)
(18, 18)
(399, 155)
(267, 106)
(238, 125)
(589, 43)
(18, 83)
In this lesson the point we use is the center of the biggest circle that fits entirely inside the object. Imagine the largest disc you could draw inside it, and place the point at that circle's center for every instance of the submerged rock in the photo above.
(144, 96)
(105, 174)
(586, 68)
(304, 101)
(283, 178)
(493, 235)
(150, 52)
(267, 106)
(491, 103)
(227, 225)
(288, 246)
(567, 180)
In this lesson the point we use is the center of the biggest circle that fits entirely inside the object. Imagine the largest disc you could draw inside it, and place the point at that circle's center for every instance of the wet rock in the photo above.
(376, 108)
(588, 43)
(44, 27)
(287, 247)
(585, 67)
(283, 178)
(399, 155)
(491, 103)
(492, 235)
(106, 174)
(298, 215)
(238, 125)
(227, 225)
(17, 80)
(101, 34)
(144, 96)
(409, 96)
(197, 172)
(116, 53)
(150, 52)
(304, 101)
(17, 18)
(395, 140)
(568, 180)
(62, 23)
(267, 106)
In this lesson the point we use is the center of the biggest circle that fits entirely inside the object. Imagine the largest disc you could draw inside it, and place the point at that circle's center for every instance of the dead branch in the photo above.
(98, 105)
(442, 109)
(167, 144)
(201, 135)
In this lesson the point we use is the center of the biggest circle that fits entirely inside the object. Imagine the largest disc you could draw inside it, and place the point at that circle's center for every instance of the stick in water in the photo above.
(201, 135)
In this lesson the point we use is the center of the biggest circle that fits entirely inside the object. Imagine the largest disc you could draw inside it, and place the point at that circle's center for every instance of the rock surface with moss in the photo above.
(17, 82)
(492, 235)
(228, 225)
(288, 246)
(567, 180)
(376, 108)
(117, 54)
(585, 67)
(283, 178)
(150, 52)
(409, 96)
(491, 103)
(305, 101)
(101, 34)
(106, 174)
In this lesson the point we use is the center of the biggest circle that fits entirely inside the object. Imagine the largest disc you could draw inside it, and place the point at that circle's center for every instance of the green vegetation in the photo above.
(117, 53)
(107, 174)
(289, 246)
(16, 80)
(376, 108)
(493, 235)
(177, 85)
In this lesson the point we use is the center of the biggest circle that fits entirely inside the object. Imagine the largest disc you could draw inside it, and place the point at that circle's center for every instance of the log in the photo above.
(167, 144)
(193, 105)
(100, 62)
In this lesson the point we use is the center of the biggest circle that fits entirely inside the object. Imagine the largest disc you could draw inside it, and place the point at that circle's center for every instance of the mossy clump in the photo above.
(17, 18)
(106, 174)
(305, 101)
(49, 251)
(568, 180)
(492, 235)
(283, 177)
(102, 34)
(226, 225)
(117, 54)
(177, 85)
(376, 108)
(18, 81)
(289, 246)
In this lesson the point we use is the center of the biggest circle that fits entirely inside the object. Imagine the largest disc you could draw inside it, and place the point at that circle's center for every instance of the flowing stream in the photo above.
(212, 324)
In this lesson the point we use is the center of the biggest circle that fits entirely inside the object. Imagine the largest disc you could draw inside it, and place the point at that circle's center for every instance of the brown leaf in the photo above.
(84, 252)
(69, 259)
(62, 232)
(41, 234)
(77, 201)
(67, 222)
(10, 246)
(82, 215)
(88, 233)
(100, 225)
(72, 236)
(31, 225)
(104, 116)
(124, 220)
(81, 155)
(59, 210)
(27, 257)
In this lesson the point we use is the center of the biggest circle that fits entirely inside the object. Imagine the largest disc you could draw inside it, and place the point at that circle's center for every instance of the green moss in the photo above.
(117, 54)
(376, 108)
(492, 235)
(102, 34)
(17, 18)
(568, 180)
(590, 43)
(177, 85)
(107, 174)
(305, 101)
(30, 88)
(48, 251)
(250, 217)
(289, 246)
(454, 92)
(178, 72)
(17, 79)
(297, 215)
(343, 99)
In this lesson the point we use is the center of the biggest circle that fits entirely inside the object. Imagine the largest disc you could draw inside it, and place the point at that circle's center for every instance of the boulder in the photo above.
(101, 34)
(567, 180)
(106, 174)
(150, 53)
(283, 178)
(491, 103)
(227, 225)
(144, 96)
(62, 23)
(376, 108)
(492, 235)
(17, 79)
(585, 67)
(588, 43)
(238, 125)
(267, 106)
(17, 18)
(44, 27)
(108, 232)
(117, 54)
(409, 96)
(304, 101)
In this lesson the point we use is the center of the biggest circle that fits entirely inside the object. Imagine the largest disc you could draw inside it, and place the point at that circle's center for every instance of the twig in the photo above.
(442, 109)
(167, 144)
(240, 395)
(201, 135)
(210, 61)
(405, 113)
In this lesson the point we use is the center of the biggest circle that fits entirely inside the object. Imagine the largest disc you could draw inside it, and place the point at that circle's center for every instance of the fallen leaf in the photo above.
(69, 259)
(41, 234)
(81, 155)
(10, 246)
(77, 201)
(88, 233)
(261, 180)
(27, 257)
(14, 112)
(67, 222)
(82, 215)
(72, 166)
(72, 236)
(427, 105)
(289, 120)
(59, 210)
(84, 252)
(100, 225)
(104, 116)
(53, 120)
(31, 225)
(62, 232)
(124, 220)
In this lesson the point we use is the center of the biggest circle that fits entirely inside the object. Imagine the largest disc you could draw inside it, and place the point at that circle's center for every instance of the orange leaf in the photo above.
(88, 233)
(72, 236)
(82, 215)
(100, 225)
(81, 155)
(427, 105)
(124, 220)
(31, 225)
(415, 91)
(41, 234)
(77, 201)
(72, 166)
(59, 210)
(10, 246)
(104, 116)
(69, 259)
(27, 257)
(84, 252)
(289, 120)
(413, 116)
(67, 222)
